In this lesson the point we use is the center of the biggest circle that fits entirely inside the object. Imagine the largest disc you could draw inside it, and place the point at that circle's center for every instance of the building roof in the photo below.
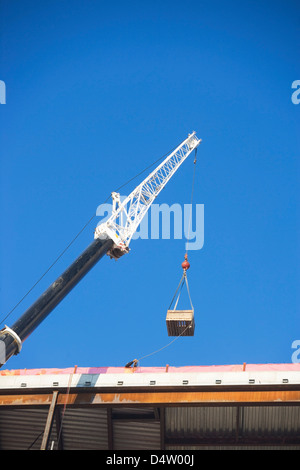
(168, 408)
(167, 368)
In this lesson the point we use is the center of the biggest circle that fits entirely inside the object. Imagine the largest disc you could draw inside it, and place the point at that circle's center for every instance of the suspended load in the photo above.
(181, 322)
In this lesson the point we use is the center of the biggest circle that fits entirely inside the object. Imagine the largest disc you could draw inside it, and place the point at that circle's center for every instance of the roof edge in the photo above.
(156, 370)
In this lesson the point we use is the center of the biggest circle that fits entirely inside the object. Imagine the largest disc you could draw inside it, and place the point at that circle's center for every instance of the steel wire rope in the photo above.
(63, 414)
(180, 285)
(188, 291)
(65, 405)
(192, 196)
(35, 440)
(158, 350)
(47, 270)
(78, 234)
(184, 276)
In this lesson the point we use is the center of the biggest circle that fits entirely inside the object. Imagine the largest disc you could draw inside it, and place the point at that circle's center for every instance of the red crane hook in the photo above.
(185, 265)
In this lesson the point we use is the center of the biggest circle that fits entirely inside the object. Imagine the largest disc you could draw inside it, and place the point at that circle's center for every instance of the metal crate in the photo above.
(180, 322)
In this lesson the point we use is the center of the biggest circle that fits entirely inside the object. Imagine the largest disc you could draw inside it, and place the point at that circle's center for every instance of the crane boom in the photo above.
(112, 238)
(127, 216)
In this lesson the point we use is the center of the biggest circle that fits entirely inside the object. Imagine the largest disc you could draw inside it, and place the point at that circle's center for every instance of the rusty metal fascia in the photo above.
(155, 397)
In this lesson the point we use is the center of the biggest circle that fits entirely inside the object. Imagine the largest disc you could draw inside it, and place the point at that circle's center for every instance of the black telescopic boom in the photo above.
(34, 315)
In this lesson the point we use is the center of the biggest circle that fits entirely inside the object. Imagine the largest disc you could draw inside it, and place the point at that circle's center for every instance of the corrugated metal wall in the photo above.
(278, 421)
(183, 427)
(84, 429)
(200, 421)
(22, 429)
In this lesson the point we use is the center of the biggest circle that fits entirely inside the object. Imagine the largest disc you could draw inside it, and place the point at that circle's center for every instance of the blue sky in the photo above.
(95, 92)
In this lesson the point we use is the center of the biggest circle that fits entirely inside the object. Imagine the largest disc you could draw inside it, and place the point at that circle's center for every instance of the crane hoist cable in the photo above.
(183, 281)
(181, 322)
(186, 265)
(192, 196)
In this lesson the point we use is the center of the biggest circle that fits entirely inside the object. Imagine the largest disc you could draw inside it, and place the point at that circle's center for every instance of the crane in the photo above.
(111, 237)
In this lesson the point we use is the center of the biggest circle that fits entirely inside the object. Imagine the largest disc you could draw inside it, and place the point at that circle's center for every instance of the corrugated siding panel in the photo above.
(85, 429)
(200, 421)
(266, 420)
(137, 435)
(135, 428)
(22, 429)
